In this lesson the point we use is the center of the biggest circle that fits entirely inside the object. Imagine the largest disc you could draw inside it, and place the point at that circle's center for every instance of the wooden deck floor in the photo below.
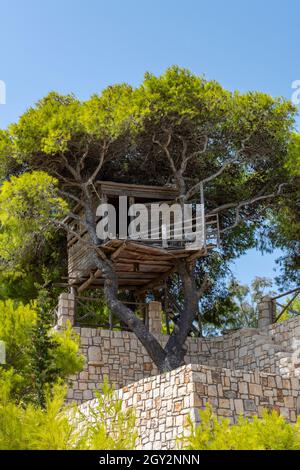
(139, 266)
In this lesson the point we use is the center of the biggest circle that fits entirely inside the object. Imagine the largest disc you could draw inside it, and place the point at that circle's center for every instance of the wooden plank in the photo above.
(141, 255)
(150, 261)
(135, 275)
(122, 283)
(112, 188)
(118, 251)
(154, 268)
(143, 268)
(87, 283)
(146, 249)
(132, 282)
(157, 281)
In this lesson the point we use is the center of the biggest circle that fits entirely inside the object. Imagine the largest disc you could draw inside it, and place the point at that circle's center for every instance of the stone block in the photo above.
(94, 355)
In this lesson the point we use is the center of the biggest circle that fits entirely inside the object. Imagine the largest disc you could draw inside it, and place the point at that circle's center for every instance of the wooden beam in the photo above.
(91, 279)
(112, 188)
(150, 261)
(118, 251)
(157, 281)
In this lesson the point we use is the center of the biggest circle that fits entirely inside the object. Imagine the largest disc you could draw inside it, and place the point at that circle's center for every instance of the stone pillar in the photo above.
(266, 312)
(2, 353)
(66, 309)
(154, 317)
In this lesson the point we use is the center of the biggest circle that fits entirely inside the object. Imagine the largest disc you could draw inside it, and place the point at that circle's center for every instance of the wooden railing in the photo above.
(89, 314)
(210, 227)
(288, 306)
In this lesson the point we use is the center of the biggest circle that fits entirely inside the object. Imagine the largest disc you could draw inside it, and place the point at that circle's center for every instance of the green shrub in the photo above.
(38, 355)
(112, 429)
(271, 432)
(59, 426)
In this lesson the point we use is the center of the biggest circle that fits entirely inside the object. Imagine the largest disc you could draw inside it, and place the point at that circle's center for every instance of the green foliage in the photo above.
(32, 252)
(113, 428)
(17, 324)
(238, 308)
(284, 230)
(92, 310)
(28, 204)
(245, 299)
(129, 127)
(37, 355)
(65, 355)
(291, 311)
(293, 162)
(271, 432)
(59, 426)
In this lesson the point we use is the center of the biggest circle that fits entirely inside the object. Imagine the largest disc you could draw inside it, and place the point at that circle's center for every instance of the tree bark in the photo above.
(175, 348)
(172, 356)
(126, 315)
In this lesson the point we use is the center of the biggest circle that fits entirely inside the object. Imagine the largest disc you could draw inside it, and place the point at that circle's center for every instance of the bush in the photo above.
(59, 426)
(271, 432)
(38, 355)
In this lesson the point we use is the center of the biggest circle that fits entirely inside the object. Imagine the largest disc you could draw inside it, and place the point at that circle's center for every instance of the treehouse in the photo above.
(144, 253)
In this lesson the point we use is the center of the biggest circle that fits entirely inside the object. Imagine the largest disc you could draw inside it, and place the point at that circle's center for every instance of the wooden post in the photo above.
(155, 317)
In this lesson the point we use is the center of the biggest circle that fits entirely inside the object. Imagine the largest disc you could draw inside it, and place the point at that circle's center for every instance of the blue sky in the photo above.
(82, 46)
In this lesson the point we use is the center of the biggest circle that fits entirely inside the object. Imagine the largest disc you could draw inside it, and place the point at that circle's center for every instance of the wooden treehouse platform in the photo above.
(141, 264)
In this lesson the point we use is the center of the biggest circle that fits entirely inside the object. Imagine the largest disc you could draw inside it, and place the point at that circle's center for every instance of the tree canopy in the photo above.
(174, 129)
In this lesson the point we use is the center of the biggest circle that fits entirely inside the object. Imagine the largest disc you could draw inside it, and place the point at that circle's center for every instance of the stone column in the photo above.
(154, 317)
(2, 353)
(66, 309)
(266, 312)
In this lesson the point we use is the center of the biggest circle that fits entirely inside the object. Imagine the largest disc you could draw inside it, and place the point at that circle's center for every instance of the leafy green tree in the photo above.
(292, 310)
(245, 300)
(177, 128)
(32, 252)
(37, 355)
(285, 228)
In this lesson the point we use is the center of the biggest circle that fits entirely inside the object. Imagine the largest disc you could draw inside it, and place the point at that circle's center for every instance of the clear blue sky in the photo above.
(81, 46)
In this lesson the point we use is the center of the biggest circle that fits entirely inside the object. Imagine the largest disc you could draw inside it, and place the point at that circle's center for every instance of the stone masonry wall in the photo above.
(242, 372)
(121, 357)
(163, 402)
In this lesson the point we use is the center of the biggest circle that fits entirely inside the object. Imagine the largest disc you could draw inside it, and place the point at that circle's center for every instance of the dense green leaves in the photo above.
(64, 427)
(37, 355)
(28, 204)
(271, 432)
(122, 134)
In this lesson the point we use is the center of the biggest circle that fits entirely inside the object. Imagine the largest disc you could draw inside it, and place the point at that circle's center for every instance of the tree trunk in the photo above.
(175, 348)
(126, 315)
(173, 355)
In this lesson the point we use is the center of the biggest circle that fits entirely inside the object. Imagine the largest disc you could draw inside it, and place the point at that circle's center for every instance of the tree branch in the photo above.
(241, 204)
(204, 286)
(100, 164)
(231, 160)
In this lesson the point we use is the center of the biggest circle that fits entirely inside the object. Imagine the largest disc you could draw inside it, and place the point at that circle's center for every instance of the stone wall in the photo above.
(163, 402)
(242, 372)
(120, 356)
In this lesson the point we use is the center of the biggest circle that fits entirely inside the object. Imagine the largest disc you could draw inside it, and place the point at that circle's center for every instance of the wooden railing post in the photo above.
(155, 317)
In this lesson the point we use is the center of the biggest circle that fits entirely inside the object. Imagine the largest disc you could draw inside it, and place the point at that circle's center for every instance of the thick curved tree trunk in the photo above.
(172, 356)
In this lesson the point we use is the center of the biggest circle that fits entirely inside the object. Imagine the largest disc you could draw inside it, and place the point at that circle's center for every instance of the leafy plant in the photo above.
(271, 432)
(112, 428)
(38, 355)
(59, 426)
